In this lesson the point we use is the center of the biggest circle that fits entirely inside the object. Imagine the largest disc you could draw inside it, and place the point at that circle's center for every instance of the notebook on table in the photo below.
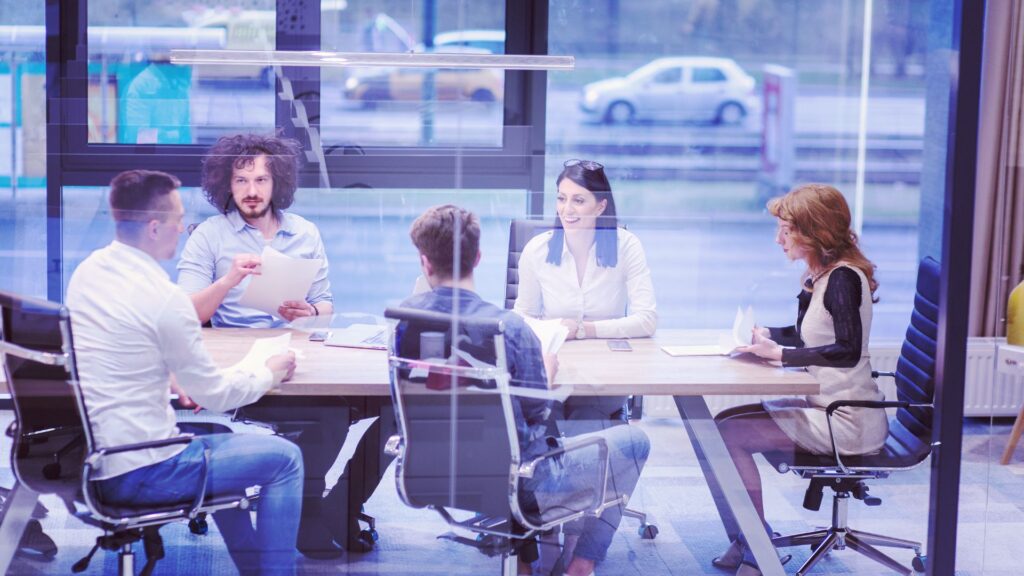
(371, 336)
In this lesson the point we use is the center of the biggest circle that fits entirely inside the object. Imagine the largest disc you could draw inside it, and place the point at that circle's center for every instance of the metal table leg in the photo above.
(734, 504)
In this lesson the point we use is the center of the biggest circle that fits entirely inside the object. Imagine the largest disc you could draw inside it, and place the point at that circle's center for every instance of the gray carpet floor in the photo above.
(672, 491)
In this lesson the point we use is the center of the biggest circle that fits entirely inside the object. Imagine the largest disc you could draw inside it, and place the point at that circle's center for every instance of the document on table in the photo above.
(551, 333)
(281, 278)
(742, 328)
(264, 348)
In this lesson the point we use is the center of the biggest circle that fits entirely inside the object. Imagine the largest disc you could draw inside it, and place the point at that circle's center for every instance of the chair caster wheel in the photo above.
(51, 471)
(648, 531)
(370, 535)
(919, 563)
(198, 526)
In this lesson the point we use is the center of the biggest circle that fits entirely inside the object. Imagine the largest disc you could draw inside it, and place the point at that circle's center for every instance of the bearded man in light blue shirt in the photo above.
(251, 180)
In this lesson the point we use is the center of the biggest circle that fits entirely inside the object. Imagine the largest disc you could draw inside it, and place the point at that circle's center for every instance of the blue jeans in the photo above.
(564, 483)
(236, 462)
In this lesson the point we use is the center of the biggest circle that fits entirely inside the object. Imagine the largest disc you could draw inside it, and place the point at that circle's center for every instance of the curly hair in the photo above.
(241, 150)
(820, 219)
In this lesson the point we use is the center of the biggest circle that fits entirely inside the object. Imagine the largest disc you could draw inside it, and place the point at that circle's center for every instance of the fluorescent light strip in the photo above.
(349, 59)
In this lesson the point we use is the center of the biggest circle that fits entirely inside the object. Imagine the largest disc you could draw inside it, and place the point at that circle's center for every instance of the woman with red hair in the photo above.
(830, 339)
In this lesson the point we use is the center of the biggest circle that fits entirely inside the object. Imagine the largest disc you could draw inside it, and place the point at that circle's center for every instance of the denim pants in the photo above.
(559, 483)
(236, 462)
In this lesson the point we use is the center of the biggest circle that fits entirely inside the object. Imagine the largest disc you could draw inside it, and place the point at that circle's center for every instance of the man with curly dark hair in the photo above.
(251, 180)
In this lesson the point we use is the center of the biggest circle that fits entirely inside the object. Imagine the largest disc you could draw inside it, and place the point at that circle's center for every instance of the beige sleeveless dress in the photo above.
(857, 430)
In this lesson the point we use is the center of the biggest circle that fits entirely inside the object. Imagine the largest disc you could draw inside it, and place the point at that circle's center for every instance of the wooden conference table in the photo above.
(588, 366)
(591, 369)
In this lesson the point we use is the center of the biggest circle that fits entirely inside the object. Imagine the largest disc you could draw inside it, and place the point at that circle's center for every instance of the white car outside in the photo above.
(684, 88)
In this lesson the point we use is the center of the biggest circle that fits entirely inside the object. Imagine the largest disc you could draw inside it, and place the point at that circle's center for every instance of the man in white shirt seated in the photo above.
(134, 330)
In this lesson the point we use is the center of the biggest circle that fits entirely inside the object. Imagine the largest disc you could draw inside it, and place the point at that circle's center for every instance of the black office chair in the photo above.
(520, 232)
(908, 444)
(458, 446)
(42, 377)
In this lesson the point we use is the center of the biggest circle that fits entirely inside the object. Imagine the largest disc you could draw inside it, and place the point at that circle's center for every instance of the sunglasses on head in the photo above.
(585, 164)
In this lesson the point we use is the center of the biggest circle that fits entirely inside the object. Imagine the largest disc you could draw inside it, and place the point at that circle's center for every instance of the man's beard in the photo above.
(254, 214)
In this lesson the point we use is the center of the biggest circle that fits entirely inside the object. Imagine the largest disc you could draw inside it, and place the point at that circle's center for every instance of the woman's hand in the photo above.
(763, 346)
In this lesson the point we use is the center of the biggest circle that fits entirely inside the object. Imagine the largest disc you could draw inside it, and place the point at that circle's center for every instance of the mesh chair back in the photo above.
(911, 430)
(43, 387)
(456, 422)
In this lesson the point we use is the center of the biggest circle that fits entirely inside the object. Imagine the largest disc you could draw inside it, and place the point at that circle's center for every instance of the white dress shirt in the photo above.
(619, 300)
(133, 328)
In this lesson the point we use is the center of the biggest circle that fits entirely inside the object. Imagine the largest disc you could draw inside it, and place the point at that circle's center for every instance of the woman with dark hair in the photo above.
(830, 339)
(589, 273)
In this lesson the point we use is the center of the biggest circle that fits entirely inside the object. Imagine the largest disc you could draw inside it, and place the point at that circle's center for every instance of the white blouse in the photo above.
(619, 300)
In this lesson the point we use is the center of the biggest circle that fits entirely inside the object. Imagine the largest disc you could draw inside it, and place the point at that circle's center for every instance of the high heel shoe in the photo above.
(731, 558)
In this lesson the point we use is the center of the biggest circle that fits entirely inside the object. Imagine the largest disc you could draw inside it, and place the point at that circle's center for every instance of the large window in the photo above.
(701, 111)
(382, 106)
(22, 148)
(136, 96)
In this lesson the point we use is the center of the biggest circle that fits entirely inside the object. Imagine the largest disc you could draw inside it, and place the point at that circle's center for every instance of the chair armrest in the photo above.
(860, 404)
(394, 445)
(183, 439)
(94, 458)
(527, 469)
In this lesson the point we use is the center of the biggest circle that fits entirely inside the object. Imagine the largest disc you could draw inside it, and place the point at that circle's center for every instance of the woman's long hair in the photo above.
(820, 222)
(606, 234)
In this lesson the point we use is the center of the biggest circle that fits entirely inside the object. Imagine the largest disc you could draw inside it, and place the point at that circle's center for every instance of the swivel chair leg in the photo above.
(830, 542)
(877, 555)
(646, 531)
(126, 560)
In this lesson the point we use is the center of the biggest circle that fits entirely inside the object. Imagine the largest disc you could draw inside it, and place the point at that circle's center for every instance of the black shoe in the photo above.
(321, 550)
(35, 544)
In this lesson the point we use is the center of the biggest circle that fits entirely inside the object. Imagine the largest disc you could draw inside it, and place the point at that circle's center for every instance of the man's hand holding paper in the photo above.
(281, 280)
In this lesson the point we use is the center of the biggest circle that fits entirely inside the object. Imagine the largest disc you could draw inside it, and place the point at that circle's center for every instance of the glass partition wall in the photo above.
(699, 112)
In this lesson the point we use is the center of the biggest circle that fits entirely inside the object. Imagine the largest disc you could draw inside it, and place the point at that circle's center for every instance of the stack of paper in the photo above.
(741, 335)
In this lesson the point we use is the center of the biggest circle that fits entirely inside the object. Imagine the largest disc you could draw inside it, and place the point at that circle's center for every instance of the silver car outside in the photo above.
(684, 88)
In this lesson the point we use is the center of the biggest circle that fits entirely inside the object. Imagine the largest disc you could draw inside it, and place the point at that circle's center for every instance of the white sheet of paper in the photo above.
(551, 333)
(264, 348)
(695, 350)
(281, 278)
(743, 326)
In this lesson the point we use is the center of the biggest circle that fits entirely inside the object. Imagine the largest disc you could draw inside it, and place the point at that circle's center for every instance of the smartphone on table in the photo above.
(619, 346)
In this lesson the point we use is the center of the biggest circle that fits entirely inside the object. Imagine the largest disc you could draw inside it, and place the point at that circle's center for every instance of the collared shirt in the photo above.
(211, 250)
(133, 328)
(619, 300)
(522, 353)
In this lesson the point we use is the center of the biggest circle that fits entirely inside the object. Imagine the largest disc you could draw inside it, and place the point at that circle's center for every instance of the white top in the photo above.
(132, 329)
(857, 430)
(619, 300)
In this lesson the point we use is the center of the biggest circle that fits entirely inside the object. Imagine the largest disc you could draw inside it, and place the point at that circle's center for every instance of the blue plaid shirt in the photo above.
(523, 354)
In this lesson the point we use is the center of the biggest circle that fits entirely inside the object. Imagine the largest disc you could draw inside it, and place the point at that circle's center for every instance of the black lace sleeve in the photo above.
(842, 299)
(786, 336)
